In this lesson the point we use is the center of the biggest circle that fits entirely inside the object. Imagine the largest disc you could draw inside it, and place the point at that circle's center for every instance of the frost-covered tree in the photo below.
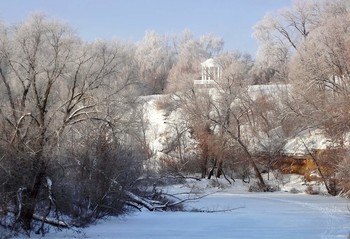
(190, 53)
(54, 87)
(224, 120)
(155, 57)
(321, 68)
(319, 75)
(281, 34)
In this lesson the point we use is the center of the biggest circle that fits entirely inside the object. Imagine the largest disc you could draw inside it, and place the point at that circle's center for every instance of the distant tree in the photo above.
(231, 117)
(190, 53)
(281, 34)
(224, 118)
(155, 57)
(196, 109)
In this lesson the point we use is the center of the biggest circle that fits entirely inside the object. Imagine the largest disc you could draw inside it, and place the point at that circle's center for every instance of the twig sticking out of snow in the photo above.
(19, 201)
(215, 211)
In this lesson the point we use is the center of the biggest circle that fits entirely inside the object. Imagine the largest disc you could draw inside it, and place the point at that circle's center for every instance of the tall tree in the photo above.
(319, 75)
(51, 82)
(155, 57)
(280, 35)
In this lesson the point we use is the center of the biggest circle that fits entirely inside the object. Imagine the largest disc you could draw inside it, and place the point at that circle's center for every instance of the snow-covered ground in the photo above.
(231, 212)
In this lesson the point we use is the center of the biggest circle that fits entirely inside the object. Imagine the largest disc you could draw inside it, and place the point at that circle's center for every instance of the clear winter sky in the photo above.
(129, 19)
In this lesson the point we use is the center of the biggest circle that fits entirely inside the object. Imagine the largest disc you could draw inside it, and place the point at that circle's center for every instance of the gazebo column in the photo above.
(211, 72)
(202, 73)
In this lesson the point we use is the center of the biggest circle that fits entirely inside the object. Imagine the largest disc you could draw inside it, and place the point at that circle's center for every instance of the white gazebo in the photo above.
(211, 73)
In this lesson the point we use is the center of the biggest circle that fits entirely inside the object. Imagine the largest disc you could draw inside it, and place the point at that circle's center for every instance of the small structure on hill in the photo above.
(211, 73)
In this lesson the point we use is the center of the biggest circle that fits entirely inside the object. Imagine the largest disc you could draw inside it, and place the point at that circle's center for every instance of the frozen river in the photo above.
(257, 215)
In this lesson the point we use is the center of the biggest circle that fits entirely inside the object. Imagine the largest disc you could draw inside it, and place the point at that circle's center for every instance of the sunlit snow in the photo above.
(232, 212)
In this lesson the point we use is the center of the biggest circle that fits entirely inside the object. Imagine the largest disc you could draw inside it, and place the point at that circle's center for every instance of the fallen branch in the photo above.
(152, 205)
(215, 211)
(181, 176)
(134, 205)
(51, 221)
(140, 200)
(167, 205)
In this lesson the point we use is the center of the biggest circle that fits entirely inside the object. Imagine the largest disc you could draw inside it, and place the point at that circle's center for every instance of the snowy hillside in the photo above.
(156, 129)
(167, 124)
(309, 139)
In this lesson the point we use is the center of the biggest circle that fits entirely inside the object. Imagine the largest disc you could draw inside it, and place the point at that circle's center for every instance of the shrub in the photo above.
(91, 183)
(312, 190)
(294, 191)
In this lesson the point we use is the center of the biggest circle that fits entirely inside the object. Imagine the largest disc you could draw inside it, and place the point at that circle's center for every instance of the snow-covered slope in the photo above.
(166, 127)
(156, 129)
(307, 140)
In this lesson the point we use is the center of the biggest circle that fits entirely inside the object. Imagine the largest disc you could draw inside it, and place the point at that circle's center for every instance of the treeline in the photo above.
(72, 137)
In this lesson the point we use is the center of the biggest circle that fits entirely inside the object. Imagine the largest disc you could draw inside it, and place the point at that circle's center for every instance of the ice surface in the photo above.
(256, 215)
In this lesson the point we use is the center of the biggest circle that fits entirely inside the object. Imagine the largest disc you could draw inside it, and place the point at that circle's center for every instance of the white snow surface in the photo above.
(156, 125)
(309, 139)
(253, 215)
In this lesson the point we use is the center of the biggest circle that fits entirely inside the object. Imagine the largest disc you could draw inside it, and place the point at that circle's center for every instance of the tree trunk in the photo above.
(330, 190)
(220, 171)
(30, 196)
(262, 184)
(204, 167)
(237, 137)
(211, 173)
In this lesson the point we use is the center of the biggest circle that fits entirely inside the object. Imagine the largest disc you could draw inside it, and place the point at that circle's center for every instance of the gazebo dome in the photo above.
(210, 63)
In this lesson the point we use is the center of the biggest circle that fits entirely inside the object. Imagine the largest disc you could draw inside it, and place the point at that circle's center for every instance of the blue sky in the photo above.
(129, 19)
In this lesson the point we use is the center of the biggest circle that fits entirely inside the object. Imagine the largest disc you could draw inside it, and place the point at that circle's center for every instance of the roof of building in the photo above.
(210, 63)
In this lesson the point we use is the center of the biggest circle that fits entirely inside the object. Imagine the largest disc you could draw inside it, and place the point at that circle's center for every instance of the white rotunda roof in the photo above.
(210, 63)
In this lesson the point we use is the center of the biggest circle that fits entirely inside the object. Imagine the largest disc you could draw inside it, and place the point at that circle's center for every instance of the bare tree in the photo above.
(319, 74)
(190, 53)
(281, 34)
(321, 67)
(196, 108)
(155, 56)
(220, 117)
(51, 83)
